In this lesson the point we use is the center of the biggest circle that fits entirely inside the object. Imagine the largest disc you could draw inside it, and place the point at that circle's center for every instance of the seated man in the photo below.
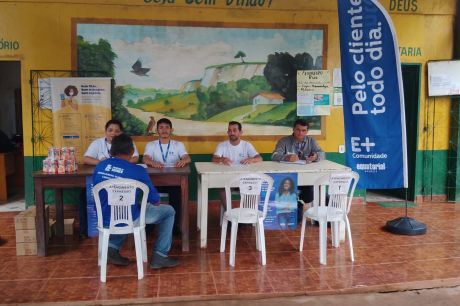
(234, 151)
(166, 152)
(299, 146)
(119, 166)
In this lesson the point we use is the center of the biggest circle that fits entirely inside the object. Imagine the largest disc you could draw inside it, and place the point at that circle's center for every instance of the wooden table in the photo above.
(159, 177)
(212, 175)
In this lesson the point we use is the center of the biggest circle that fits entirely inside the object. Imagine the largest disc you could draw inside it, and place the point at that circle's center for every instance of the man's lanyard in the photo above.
(165, 156)
(300, 147)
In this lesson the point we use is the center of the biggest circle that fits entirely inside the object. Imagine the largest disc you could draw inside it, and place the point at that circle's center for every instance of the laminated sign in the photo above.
(122, 195)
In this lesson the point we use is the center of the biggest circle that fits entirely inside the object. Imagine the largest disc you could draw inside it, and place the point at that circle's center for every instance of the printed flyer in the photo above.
(81, 107)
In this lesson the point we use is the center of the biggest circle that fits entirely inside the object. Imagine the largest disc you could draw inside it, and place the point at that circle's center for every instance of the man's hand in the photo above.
(247, 161)
(180, 163)
(221, 160)
(226, 161)
(312, 157)
(154, 164)
(291, 157)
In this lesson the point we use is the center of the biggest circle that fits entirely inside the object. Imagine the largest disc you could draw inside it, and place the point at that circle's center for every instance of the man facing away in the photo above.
(119, 166)
(234, 151)
(166, 152)
(299, 146)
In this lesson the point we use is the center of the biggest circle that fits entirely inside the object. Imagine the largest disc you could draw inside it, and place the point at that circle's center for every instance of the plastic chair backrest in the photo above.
(121, 195)
(251, 187)
(340, 187)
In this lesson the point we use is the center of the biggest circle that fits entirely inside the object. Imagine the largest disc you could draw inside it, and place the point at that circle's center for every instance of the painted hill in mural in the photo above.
(231, 72)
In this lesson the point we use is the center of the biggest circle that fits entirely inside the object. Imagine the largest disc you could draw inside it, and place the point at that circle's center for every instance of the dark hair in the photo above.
(114, 121)
(68, 88)
(122, 145)
(301, 122)
(164, 120)
(235, 123)
(281, 186)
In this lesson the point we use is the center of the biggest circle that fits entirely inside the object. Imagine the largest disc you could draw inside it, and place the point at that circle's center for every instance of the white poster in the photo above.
(81, 107)
(313, 92)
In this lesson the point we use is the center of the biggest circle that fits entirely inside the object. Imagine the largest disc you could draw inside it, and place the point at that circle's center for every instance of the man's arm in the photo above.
(221, 160)
(87, 160)
(317, 153)
(282, 150)
(135, 158)
(153, 196)
(254, 156)
(183, 161)
(90, 156)
(146, 159)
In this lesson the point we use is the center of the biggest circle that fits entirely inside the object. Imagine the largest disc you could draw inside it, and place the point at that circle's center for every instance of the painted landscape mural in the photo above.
(202, 77)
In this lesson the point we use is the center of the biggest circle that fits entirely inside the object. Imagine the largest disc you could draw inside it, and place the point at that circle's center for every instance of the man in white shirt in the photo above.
(234, 151)
(166, 152)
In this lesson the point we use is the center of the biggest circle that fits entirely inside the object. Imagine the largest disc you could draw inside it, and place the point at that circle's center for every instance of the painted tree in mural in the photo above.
(281, 74)
(100, 57)
(241, 55)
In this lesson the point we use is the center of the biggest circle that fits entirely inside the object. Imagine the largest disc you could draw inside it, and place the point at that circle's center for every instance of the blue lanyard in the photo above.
(165, 156)
(300, 147)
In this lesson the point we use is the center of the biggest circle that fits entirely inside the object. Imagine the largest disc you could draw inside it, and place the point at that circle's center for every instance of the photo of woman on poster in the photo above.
(68, 100)
(286, 204)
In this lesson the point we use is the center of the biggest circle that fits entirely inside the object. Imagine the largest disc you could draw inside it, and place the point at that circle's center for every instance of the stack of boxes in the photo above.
(60, 160)
(26, 237)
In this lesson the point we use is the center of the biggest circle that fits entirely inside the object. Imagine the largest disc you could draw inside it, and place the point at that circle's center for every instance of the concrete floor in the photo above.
(426, 297)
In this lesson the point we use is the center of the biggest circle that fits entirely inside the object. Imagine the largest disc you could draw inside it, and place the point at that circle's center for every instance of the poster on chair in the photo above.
(282, 205)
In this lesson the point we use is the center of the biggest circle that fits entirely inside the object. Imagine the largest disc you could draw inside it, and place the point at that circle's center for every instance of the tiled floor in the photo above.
(383, 262)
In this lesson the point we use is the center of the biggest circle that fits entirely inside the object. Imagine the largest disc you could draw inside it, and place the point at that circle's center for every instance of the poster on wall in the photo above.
(81, 107)
(282, 205)
(313, 92)
(44, 93)
(203, 75)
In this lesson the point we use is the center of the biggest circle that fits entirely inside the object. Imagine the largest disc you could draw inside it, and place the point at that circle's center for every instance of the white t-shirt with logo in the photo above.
(237, 153)
(100, 149)
(168, 157)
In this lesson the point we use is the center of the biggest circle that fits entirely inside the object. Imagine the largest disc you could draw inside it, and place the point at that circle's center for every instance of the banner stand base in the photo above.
(405, 226)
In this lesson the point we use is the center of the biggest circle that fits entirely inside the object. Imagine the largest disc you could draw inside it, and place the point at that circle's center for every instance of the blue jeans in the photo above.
(163, 215)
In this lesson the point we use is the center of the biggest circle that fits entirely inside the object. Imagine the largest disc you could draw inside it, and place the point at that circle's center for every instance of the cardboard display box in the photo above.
(26, 236)
(26, 248)
(68, 226)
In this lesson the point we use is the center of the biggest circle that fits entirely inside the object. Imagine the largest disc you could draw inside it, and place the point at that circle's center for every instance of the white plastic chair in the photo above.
(248, 212)
(121, 195)
(340, 187)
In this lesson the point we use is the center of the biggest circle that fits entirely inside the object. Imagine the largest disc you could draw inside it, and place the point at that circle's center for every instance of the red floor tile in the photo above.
(382, 261)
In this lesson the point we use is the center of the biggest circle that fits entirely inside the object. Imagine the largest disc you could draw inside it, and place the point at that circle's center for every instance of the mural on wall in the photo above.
(202, 77)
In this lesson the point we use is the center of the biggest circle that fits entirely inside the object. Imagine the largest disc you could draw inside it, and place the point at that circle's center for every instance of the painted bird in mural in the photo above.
(138, 69)
(150, 127)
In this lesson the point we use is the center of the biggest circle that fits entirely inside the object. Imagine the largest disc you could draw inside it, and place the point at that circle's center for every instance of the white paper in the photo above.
(337, 77)
(299, 162)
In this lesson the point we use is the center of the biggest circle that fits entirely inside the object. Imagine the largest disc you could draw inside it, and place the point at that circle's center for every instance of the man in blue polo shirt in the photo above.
(119, 166)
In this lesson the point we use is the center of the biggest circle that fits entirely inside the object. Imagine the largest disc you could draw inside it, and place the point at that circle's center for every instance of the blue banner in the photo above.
(373, 101)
